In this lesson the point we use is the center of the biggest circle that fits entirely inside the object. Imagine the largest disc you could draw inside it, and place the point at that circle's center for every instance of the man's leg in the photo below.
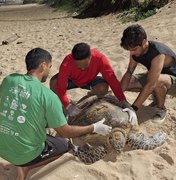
(54, 148)
(164, 83)
(23, 171)
(53, 82)
(137, 82)
(99, 87)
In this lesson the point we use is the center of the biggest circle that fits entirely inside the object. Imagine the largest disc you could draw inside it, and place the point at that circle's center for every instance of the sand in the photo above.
(56, 31)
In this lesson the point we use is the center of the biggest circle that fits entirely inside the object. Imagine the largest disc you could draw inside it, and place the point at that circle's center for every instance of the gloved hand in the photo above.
(101, 128)
(73, 110)
(132, 116)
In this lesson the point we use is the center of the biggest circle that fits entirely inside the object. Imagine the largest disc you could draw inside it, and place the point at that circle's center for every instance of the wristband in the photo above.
(134, 107)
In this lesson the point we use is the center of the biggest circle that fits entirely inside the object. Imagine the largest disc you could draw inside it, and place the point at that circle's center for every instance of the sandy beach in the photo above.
(56, 31)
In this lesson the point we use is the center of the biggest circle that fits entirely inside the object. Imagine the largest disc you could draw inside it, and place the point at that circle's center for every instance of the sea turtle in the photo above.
(123, 132)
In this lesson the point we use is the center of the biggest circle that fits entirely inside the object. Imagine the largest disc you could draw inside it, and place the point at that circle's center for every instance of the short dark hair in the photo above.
(133, 36)
(81, 51)
(35, 57)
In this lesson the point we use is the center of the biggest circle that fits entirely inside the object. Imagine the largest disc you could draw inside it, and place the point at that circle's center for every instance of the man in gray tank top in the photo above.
(160, 61)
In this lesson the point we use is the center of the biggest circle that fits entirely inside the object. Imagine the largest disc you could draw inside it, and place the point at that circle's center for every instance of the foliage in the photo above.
(65, 5)
(34, 1)
(135, 14)
(132, 10)
(142, 10)
(82, 5)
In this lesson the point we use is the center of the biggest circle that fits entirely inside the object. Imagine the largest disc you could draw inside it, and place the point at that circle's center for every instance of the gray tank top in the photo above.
(156, 48)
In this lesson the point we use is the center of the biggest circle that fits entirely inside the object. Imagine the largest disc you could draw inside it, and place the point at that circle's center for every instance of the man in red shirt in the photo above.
(81, 69)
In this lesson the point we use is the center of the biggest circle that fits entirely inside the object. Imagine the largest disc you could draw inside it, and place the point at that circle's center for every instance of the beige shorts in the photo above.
(142, 78)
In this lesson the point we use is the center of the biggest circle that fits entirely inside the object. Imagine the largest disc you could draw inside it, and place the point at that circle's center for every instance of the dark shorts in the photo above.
(142, 78)
(54, 146)
(97, 80)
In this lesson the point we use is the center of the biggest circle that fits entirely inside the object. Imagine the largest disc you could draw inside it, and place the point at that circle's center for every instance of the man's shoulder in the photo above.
(12, 77)
(158, 45)
(97, 54)
(48, 92)
(50, 96)
(162, 48)
(67, 60)
(68, 57)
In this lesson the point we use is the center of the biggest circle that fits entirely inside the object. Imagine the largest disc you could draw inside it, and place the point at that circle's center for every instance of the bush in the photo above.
(142, 10)
(34, 1)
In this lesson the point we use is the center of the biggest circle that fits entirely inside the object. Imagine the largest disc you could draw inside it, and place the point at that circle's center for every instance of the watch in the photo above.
(134, 107)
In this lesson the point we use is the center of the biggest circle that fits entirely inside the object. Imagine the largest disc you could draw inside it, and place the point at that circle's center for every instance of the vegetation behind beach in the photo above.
(130, 10)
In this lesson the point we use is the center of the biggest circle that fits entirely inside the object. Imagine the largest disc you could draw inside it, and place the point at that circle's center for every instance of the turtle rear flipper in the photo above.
(87, 153)
(141, 141)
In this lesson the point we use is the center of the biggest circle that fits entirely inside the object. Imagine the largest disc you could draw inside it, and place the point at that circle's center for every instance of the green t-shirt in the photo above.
(27, 107)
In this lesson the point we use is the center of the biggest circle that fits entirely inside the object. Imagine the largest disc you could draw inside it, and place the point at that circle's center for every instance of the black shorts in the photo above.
(54, 146)
(97, 80)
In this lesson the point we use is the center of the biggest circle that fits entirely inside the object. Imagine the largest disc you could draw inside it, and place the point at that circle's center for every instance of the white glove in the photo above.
(101, 128)
(132, 116)
(73, 110)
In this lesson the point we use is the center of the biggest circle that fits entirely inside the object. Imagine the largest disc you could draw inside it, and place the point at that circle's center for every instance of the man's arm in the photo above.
(127, 76)
(69, 131)
(152, 78)
(109, 75)
(62, 81)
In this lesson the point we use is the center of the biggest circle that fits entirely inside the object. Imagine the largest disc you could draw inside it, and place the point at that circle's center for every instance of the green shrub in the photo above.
(142, 10)
(34, 1)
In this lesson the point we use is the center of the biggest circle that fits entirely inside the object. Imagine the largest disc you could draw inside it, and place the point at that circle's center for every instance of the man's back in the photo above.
(155, 49)
(23, 117)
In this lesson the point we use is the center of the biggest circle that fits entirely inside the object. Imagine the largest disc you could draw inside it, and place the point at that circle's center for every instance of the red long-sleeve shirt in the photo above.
(98, 64)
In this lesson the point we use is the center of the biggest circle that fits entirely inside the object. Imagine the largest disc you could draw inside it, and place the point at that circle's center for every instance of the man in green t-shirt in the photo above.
(27, 107)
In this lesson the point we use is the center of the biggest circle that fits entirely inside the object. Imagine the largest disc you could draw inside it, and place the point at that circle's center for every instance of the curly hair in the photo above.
(133, 36)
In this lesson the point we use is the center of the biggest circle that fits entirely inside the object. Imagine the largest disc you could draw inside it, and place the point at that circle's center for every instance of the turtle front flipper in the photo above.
(87, 153)
(141, 141)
